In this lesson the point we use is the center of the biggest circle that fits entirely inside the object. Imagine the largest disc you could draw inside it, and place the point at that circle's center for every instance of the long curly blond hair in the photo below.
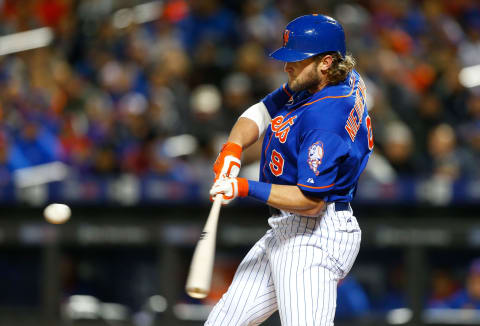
(340, 67)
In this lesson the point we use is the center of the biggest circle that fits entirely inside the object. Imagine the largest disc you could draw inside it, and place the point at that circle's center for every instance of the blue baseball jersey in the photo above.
(320, 142)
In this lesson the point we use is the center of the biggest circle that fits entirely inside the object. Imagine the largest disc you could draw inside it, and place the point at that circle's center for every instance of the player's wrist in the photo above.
(231, 148)
(243, 187)
(259, 190)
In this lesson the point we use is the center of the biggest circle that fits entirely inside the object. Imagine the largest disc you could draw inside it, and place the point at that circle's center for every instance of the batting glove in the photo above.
(228, 162)
(231, 188)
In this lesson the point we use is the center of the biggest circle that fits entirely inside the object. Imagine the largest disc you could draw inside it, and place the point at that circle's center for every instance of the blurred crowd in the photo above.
(114, 87)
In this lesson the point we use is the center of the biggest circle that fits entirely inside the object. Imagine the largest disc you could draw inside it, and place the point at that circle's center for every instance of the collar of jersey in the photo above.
(303, 97)
(299, 98)
(340, 89)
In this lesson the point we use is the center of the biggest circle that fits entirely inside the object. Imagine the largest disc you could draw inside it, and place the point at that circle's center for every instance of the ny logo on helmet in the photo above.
(286, 35)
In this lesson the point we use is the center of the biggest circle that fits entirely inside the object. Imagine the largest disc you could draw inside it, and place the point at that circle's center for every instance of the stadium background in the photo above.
(119, 107)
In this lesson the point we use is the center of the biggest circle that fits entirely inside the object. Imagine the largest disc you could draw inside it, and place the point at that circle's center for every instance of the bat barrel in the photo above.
(200, 274)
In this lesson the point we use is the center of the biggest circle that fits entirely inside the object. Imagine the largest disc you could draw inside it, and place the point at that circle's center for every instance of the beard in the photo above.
(309, 81)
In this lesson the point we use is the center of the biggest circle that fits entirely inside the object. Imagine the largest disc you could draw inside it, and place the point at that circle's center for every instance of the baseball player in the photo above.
(318, 138)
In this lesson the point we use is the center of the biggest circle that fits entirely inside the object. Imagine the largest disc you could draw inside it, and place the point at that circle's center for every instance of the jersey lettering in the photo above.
(276, 163)
(368, 121)
(362, 88)
(281, 128)
(354, 119)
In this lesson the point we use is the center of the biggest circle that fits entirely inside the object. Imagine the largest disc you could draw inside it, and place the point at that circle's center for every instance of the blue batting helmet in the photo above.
(309, 35)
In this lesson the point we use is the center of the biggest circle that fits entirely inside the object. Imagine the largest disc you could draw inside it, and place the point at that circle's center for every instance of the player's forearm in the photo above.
(289, 198)
(244, 133)
(292, 199)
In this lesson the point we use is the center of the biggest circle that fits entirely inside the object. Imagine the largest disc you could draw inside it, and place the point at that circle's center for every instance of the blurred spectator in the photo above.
(34, 145)
(446, 159)
(399, 148)
(470, 131)
(261, 23)
(250, 60)
(206, 103)
(106, 94)
(469, 48)
(208, 33)
(169, 93)
(237, 95)
(395, 296)
(207, 22)
(443, 287)
(452, 94)
(352, 300)
(468, 297)
(430, 113)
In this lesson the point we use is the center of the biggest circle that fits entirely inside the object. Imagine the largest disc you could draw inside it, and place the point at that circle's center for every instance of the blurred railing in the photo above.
(130, 190)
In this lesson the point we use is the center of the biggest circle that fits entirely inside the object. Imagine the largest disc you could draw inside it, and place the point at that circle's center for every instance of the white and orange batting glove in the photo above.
(231, 188)
(227, 164)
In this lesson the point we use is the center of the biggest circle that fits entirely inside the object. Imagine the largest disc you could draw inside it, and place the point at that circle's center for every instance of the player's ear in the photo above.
(325, 62)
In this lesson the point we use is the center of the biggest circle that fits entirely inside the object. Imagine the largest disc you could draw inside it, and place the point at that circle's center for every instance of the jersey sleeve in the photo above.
(318, 161)
(277, 99)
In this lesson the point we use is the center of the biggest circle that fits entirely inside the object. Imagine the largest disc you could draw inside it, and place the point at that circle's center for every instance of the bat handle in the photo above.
(217, 202)
(214, 212)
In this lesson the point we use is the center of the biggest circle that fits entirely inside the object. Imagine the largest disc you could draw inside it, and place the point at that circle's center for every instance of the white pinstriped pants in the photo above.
(295, 268)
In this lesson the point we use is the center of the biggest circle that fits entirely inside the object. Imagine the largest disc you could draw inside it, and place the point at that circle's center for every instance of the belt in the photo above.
(339, 206)
(342, 206)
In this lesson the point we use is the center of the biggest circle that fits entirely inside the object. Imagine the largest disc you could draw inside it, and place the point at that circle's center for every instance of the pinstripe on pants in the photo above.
(295, 268)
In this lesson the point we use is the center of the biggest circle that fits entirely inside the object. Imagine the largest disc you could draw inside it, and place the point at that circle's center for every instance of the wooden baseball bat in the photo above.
(201, 267)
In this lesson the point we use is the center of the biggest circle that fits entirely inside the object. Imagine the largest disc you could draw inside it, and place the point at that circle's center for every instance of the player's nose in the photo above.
(288, 67)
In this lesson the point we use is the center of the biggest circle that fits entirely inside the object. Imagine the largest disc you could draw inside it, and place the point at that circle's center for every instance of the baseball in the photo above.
(57, 213)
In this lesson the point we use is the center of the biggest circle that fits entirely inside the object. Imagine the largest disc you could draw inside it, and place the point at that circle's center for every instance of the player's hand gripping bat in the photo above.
(201, 267)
